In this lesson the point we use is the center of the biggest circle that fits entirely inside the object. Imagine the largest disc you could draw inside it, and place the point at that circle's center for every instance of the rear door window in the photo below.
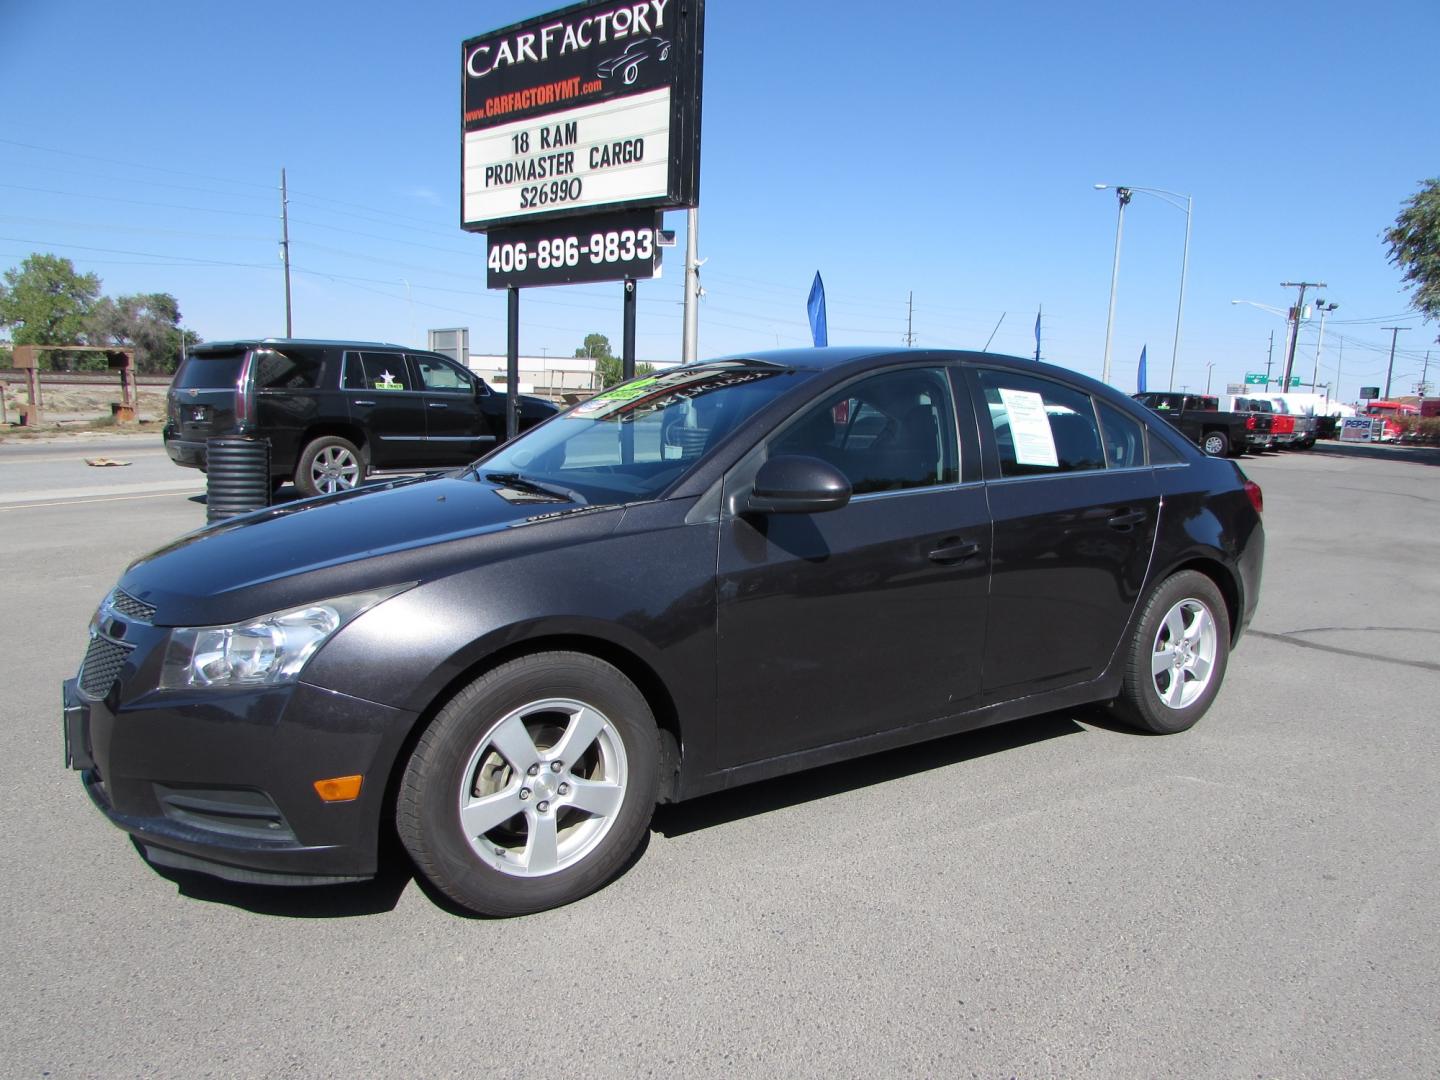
(1124, 437)
(376, 372)
(1041, 427)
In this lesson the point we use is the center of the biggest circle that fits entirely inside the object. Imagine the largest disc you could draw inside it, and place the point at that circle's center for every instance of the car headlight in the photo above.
(269, 651)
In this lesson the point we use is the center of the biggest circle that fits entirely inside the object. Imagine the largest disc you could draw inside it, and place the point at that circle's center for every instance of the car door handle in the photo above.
(1126, 519)
(955, 552)
(359, 402)
(438, 405)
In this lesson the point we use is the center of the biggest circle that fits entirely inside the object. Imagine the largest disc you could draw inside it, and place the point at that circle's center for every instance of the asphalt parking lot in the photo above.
(1056, 897)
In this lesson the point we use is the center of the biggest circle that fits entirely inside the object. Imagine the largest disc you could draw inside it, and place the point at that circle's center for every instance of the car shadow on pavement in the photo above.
(721, 808)
(373, 897)
(382, 893)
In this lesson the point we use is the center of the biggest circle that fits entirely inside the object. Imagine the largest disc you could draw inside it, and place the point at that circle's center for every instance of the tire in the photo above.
(1215, 443)
(1166, 691)
(329, 464)
(490, 804)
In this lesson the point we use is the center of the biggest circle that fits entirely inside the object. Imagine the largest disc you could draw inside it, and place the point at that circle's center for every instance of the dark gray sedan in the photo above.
(720, 573)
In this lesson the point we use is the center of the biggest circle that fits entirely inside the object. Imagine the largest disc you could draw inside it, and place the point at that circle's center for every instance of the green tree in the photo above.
(1415, 246)
(607, 364)
(610, 371)
(596, 347)
(46, 302)
(147, 322)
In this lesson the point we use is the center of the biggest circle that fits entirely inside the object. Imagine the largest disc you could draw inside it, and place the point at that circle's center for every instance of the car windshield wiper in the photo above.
(515, 480)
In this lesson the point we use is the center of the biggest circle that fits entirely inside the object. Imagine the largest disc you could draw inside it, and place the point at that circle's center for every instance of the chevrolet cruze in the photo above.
(720, 573)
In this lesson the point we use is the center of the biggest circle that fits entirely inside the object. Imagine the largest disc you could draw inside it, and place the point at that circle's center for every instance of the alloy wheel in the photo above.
(543, 787)
(1182, 659)
(335, 469)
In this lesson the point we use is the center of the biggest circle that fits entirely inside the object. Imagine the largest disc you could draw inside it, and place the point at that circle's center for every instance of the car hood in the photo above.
(298, 553)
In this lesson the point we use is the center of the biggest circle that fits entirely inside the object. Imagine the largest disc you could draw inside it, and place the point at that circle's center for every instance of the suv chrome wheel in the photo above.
(329, 464)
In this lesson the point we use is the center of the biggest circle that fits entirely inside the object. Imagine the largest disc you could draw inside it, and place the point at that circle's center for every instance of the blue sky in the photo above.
(941, 149)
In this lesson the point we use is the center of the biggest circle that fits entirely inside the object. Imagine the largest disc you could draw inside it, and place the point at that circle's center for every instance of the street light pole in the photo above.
(1164, 196)
(1122, 194)
(1324, 310)
(1180, 305)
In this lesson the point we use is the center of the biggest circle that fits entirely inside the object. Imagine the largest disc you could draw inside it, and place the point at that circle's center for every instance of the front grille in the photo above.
(103, 661)
(127, 605)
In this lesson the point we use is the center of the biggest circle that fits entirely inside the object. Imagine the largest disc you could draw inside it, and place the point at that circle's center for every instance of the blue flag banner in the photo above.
(816, 307)
(1140, 378)
(1038, 312)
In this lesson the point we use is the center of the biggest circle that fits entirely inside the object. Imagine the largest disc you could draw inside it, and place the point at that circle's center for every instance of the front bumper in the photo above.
(224, 782)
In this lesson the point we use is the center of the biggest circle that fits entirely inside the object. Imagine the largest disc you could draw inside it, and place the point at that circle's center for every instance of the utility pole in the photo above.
(1389, 370)
(910, 322)
(1424, 373)
(690, 339)
(1269, 361)
(285, 248)
(1299, 313)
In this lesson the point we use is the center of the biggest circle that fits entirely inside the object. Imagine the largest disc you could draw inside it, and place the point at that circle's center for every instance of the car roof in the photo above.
(834, 357)
(250, 343)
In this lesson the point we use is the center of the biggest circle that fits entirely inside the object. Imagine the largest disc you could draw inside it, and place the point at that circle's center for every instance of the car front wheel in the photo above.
(1178, 655)
(533, 786)
(329, 464)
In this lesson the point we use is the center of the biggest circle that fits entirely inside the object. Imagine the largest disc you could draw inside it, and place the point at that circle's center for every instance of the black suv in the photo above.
(335, 410)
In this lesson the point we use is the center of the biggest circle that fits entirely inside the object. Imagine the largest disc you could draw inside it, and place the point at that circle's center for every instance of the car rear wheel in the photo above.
(329, 464)
(1216, 443)
(1178, 655)
(533, 786)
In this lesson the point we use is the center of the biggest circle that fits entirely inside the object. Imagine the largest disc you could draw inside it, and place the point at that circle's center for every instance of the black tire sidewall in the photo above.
(426, 811)
(1224, 444)
(1139, 699)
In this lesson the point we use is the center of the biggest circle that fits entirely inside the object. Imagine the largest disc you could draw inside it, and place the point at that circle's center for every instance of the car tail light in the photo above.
(1256, 496)
(242, 397)
(1249, 423)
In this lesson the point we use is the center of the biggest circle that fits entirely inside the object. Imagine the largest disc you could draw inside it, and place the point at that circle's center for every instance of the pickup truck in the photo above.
(1198, 417)
(1289, 427)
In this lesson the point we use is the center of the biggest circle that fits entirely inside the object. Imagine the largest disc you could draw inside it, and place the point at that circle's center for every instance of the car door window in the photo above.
(275, 370)
(376, 372)
(441, 375)
(1124, 437)
(1041, 427)
(886, 433)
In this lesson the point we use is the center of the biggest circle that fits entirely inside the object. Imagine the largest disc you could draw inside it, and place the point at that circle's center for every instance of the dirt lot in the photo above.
(69, 407)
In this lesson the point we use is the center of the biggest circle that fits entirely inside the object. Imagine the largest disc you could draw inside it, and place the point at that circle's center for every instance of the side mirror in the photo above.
(794, 484)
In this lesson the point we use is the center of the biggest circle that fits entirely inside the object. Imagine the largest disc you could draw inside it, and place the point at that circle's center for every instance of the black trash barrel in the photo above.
(237, 476)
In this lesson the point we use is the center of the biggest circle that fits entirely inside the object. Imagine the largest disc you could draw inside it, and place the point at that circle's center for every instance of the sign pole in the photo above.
(627, 340)
(512, 362)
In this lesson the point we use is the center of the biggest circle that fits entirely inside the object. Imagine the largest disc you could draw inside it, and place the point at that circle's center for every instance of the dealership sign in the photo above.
(586, 110)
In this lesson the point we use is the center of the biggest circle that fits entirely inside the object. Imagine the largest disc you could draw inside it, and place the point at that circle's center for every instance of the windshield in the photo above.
(631, 442)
